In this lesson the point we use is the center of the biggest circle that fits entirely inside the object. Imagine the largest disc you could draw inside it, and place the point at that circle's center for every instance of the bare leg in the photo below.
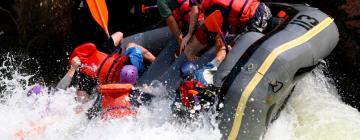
(146, 54)
(193, 49)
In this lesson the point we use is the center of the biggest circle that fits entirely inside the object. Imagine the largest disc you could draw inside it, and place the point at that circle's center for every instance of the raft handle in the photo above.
(276, 86)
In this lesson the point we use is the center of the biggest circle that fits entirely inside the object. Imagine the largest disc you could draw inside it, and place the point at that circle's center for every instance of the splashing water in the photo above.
(314, 112)
(54, 116)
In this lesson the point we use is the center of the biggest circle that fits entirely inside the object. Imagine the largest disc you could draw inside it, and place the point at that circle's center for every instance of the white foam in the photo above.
(315, 112)
(52, 116)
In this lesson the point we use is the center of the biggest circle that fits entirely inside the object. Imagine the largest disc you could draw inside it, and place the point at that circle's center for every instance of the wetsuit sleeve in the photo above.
(64, 82)
(107, 47)
(164, 9)
(86, 83)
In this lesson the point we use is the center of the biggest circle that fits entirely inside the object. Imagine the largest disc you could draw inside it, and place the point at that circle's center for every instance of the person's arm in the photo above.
(66, 80)
(220, 49)
(193, 20)
(173, 26)
(118, 38)
(112, 43)
(148, 56)
(166, 13)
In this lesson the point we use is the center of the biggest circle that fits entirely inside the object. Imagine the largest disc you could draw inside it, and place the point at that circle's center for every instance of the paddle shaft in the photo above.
(143, 7)
(221, 35)
(150, 7)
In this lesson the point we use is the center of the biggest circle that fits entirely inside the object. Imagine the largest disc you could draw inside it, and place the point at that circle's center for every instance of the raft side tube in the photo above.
(241, 45)
(153, 40)
(267, 78)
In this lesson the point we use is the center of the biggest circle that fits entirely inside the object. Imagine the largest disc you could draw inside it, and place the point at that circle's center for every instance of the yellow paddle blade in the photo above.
(214, 21)
(99, 12)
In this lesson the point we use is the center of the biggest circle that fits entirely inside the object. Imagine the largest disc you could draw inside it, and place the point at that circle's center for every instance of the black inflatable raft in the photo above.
(264, 74)
(261, 70)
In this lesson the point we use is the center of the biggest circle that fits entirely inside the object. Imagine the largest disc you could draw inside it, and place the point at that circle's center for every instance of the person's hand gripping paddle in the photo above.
(213, 23)
(99, 12)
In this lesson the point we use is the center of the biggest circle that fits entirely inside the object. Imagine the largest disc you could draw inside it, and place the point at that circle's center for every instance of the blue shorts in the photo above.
(136, 58)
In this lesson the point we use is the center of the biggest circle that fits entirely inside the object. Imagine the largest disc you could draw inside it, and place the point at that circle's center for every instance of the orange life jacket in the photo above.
(96, 64)
(182, 13)
(240, 11)
(115, 100)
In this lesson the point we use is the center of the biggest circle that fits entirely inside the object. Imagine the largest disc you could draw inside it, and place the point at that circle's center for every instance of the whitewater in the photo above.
(314, 112)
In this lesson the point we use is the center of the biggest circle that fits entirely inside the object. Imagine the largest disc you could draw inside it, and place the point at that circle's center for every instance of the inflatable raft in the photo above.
(261, 70)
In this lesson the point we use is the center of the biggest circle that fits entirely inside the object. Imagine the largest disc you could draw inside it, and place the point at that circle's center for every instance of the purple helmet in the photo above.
(129, 74)
(37, 89)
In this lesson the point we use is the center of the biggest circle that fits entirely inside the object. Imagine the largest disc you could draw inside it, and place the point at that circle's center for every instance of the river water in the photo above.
(314, 112)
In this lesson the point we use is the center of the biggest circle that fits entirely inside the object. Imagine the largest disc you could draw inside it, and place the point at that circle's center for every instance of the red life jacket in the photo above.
(182, 13)
(115, 100)
(96, 64)
(240, 11)
(187, 90)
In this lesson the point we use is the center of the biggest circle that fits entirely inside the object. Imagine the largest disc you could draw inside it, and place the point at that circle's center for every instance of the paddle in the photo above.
(99, 12)
(144, 8)
(213, 23)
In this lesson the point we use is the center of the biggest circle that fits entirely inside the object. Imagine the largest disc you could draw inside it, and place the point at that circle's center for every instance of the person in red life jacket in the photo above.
(102, 65)
(239, 16)
(182, 17)
(66, 80)
(192, 96)
(196, 92)
(115, 99)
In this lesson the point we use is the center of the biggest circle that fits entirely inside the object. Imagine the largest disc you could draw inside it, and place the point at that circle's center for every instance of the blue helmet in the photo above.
(187, 69)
